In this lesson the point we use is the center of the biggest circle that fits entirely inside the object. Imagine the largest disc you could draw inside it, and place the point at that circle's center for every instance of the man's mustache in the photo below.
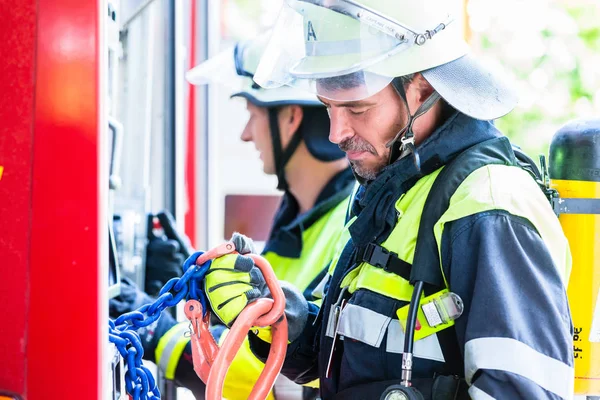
(356, 144)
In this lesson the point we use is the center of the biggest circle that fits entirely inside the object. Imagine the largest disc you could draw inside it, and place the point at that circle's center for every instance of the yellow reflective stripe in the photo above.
(170, 347)
(426, 330)
(340, 243)
(402, 241)
(501, 187)
(492, 187)
(379, 281)
(264, 333)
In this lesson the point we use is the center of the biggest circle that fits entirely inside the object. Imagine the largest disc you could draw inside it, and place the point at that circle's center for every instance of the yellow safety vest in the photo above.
(492, 187)
(317, 251)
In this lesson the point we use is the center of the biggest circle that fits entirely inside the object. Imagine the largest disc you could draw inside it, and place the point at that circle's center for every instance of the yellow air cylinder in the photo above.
(575, 173)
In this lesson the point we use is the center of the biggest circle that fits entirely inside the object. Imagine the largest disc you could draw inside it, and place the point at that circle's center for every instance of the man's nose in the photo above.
(340, 128)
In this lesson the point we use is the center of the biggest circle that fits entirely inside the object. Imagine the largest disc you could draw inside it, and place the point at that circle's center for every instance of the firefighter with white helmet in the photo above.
(449, 281)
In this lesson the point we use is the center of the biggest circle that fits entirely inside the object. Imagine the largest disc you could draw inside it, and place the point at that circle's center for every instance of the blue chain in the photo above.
(139, 382)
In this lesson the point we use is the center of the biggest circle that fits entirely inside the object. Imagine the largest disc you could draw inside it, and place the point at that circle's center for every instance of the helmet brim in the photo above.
(472, 89)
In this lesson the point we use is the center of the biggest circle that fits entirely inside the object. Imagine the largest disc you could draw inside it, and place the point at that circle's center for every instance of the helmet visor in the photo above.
(331, 48)
(221, 69)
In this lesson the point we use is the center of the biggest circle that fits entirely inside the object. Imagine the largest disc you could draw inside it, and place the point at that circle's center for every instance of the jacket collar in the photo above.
(286, 235)
(375, 200)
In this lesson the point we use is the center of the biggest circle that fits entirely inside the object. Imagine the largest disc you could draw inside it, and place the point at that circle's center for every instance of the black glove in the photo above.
(131, 299)
(164, 261)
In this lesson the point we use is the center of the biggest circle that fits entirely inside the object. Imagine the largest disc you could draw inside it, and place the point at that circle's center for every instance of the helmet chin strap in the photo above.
(404, 141)
(281, 156)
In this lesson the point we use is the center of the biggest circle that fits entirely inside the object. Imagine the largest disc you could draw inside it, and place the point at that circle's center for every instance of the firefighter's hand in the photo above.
(130, 299)
(233, 281)
(164, 258)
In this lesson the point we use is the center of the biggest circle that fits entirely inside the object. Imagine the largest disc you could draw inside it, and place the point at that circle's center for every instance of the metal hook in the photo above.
(408, 143)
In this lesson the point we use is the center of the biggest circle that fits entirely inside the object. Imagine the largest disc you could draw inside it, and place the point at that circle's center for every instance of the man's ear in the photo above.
(419, 90)
(290, 118)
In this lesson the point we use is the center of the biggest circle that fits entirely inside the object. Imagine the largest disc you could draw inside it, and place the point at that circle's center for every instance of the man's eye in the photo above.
(356, 112)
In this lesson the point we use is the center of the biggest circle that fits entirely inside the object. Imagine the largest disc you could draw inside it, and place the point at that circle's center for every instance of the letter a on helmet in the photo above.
(348, 50)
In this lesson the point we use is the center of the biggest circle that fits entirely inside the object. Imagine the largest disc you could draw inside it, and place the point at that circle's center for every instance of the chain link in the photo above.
(139, 382)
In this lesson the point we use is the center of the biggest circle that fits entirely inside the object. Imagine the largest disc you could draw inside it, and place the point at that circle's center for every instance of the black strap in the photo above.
(281, 157)
(291, 147)
(389, 261)
(405, 137)
(453, 359)
(526, 163)
(426, 259)
(426, 263)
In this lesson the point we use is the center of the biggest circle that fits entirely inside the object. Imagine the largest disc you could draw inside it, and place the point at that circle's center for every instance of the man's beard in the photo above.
(357, 144)
(368, 174)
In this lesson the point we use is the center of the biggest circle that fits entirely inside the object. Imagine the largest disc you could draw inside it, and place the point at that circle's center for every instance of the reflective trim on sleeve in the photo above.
(286, 389)
(478, 394)
(512, 356)
(170, 347)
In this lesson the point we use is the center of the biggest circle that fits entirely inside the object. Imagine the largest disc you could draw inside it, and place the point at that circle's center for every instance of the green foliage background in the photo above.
(551, 49)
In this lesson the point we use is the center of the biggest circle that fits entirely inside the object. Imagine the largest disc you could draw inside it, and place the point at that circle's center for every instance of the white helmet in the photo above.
(235, 68)
(350, 49)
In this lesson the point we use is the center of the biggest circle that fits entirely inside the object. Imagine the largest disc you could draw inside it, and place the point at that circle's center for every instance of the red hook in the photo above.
(211, 362)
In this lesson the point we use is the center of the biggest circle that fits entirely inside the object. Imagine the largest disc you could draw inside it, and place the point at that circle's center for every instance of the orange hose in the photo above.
(210, 362)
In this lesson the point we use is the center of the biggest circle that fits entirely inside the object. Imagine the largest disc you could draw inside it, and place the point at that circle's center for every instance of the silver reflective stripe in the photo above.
(369, 327)
(351, 46)
(286, 389)
(478, 394)
(355, 191)
(167, 353)
(428, 348)
(334, 314)
(362, 324)
(331, 323)
(363, 14)
(319, 291)
(351, 201)
(512, 356)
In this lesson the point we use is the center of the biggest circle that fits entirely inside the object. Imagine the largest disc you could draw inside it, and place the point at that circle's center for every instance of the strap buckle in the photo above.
(380, 257)
(377, 256)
